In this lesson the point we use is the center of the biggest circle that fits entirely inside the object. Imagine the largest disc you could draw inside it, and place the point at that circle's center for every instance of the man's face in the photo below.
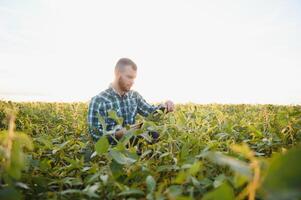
(126, 78)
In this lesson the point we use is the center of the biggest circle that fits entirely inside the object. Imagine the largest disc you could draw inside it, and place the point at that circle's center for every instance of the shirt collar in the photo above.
(116, 93)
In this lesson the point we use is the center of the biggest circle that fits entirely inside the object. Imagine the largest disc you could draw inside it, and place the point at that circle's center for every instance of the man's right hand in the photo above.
(136, 126)
(120, 133)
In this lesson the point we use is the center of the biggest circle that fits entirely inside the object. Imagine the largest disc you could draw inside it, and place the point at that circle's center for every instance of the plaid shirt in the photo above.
(126, 106)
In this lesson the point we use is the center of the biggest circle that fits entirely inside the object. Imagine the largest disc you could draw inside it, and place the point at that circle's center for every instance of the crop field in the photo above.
(209, 152)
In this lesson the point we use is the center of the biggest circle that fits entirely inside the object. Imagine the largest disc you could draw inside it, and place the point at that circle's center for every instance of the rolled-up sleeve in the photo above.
(145, 108)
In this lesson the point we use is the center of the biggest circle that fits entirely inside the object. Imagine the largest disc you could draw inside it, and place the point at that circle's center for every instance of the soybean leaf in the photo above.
(132, 192)
(150, 183)
(235, 164)
(283, 180)
(224, 192)
(121, 158)
(102, 145)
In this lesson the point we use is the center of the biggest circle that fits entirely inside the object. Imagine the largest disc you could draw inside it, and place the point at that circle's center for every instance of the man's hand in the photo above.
(136, 126)
(120, 133)
(169, 105)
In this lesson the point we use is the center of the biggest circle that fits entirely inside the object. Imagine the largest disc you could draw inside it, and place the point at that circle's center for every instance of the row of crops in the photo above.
(204, 152)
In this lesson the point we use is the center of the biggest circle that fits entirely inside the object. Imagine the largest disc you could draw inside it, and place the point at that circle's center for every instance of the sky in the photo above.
(200, 51)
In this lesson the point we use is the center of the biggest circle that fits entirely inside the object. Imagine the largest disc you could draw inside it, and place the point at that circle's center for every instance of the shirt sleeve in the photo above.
(145, 108)
(96, 109)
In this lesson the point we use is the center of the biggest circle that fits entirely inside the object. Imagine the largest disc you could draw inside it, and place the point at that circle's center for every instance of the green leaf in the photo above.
(235, 164)
(181, 119)
(150, 183)
(181, 177)
(60, 147)
(117, 169)
(45, 141)
(102, 122)
(195, 168)
(70, 191)
(283, 180)
(102, 145)
(224, 192)
(91, 190)
(45, 165)
(22, 185)
(243, 149)
(113, 115)
(71, 181)
(24, 140)
(239, 180)
(164, 154)
(218, 181)
(17, 161)
(166, 168)
(146, 136)
(126, 138)
(184, 152)
(132, 192)
(9, 193)
(148, 125)
(175, 190)
(121, 158)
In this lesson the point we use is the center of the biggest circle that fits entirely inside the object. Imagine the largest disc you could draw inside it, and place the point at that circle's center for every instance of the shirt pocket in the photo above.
(113, 106)
(133, 106)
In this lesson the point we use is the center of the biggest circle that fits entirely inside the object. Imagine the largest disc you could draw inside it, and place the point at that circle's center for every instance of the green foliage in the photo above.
(197, 156)
(102, 145)
(222, 192)
(12, 159)
(283, 179)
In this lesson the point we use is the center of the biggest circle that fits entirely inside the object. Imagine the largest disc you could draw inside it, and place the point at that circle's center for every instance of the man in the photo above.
(120, 98)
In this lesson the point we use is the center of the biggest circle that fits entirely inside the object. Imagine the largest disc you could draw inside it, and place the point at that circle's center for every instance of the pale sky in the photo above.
(187, 51)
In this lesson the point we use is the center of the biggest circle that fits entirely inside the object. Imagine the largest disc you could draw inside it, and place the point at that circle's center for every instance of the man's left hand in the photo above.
(169, 105)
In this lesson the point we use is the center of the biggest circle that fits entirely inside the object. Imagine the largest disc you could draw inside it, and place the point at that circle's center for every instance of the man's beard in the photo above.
(122, 85)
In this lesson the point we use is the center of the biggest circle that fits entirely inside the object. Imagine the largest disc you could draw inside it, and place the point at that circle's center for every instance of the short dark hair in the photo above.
(122, 62)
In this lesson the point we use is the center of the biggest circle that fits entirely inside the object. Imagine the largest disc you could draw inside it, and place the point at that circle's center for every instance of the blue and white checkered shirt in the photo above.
(126, 106)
